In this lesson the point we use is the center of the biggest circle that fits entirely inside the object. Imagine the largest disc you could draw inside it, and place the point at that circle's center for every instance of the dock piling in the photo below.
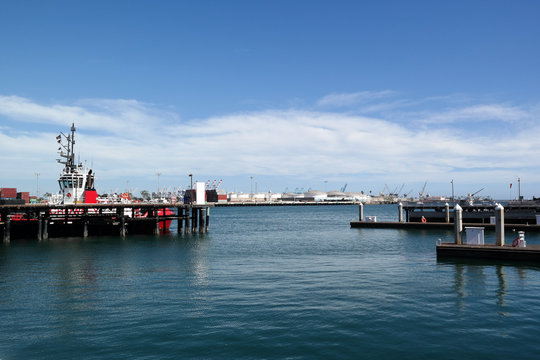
(499, 225)
(400, 212)
(458, 224)
(7, 230)
(207, 218)
(361, 212)
(447, 212)
(180, 213)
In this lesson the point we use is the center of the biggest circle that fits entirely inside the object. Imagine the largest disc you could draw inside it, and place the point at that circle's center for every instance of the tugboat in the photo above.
(77, 184)
(76, 181)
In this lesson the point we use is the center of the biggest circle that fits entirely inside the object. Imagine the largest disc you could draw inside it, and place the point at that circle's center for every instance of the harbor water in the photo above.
(266, 283)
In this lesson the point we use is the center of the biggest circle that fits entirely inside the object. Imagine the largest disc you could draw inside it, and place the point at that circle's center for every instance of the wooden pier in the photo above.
(42, 221)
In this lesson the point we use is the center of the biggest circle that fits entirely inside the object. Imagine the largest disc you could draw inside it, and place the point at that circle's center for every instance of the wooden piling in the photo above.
(40, 229)
(201, 221)
(207, 218)
(180, 214)
(156, 227)
(7, 230)
(194, 220)
(186, 221)
(123, 229)
(85, 228)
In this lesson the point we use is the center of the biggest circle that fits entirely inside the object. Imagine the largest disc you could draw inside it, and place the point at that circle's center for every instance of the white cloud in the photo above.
(478, 113)
(125, 138)
(347, 99)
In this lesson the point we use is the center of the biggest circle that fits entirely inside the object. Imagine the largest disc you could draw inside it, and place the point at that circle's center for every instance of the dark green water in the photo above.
(276, 282)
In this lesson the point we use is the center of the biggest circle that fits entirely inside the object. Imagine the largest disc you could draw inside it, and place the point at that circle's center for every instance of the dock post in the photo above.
(186, 222)
(447, 211)
(400, 212)
(361, 212)
(85, 228)
(45, 233)
(123, 226)
(156, 228)
(40, 228)
(207, 218)
(458, 224)
(194, 220)
(202, 217)
(180, 215)
(499, 225)
(7, 230)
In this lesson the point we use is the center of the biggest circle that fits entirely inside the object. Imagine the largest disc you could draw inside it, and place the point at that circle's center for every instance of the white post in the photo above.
(400, 212)
(458, 224)
(447, 209)
(499, 225)
(361, 212)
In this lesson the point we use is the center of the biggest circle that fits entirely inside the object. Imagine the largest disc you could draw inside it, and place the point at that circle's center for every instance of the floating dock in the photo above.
(489, 251)
(436, 225)
(42, 221)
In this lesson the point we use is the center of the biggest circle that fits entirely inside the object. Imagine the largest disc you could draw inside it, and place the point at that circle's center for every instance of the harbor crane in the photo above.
(421, 193)
(343, 188)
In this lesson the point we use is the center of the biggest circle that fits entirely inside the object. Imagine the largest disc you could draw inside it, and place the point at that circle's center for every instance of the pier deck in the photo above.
(41, 221)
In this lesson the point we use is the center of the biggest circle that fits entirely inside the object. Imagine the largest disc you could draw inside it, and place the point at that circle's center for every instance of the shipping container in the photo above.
(8, 193)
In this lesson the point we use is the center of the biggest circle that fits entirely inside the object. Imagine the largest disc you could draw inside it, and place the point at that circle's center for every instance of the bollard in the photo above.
(447, 209)
(499, 225)
(458, 224)
(400, 212)
(361, 212)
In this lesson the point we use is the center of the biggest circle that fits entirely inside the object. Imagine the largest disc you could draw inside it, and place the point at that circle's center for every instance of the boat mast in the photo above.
(70, 148)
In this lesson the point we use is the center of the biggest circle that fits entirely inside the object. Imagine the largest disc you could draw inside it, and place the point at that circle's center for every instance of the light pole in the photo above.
(519, 189)
(191, 190)
(158, 175)
(452, 190)
(37, 185)
(251, 193)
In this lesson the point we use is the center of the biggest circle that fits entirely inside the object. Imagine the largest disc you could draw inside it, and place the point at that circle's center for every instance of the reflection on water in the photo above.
(473, 277)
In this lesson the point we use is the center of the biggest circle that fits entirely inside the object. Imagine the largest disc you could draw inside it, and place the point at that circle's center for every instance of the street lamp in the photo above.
(37, 185)
(191, 190)
(158, 175)
(452, 191)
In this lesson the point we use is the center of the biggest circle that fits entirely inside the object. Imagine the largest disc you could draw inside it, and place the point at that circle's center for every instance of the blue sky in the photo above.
(293, 93)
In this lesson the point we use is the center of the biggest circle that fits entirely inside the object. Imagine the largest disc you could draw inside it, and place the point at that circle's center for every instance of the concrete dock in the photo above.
(437, 225)
(489, 251)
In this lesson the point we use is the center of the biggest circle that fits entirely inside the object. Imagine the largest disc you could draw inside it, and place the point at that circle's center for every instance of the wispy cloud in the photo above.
(347, 99)
(477, 113)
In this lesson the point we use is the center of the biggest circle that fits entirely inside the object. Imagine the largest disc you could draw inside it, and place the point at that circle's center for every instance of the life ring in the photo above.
(515, 242)
(125, 196)
(68, 195)
(424, 220)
